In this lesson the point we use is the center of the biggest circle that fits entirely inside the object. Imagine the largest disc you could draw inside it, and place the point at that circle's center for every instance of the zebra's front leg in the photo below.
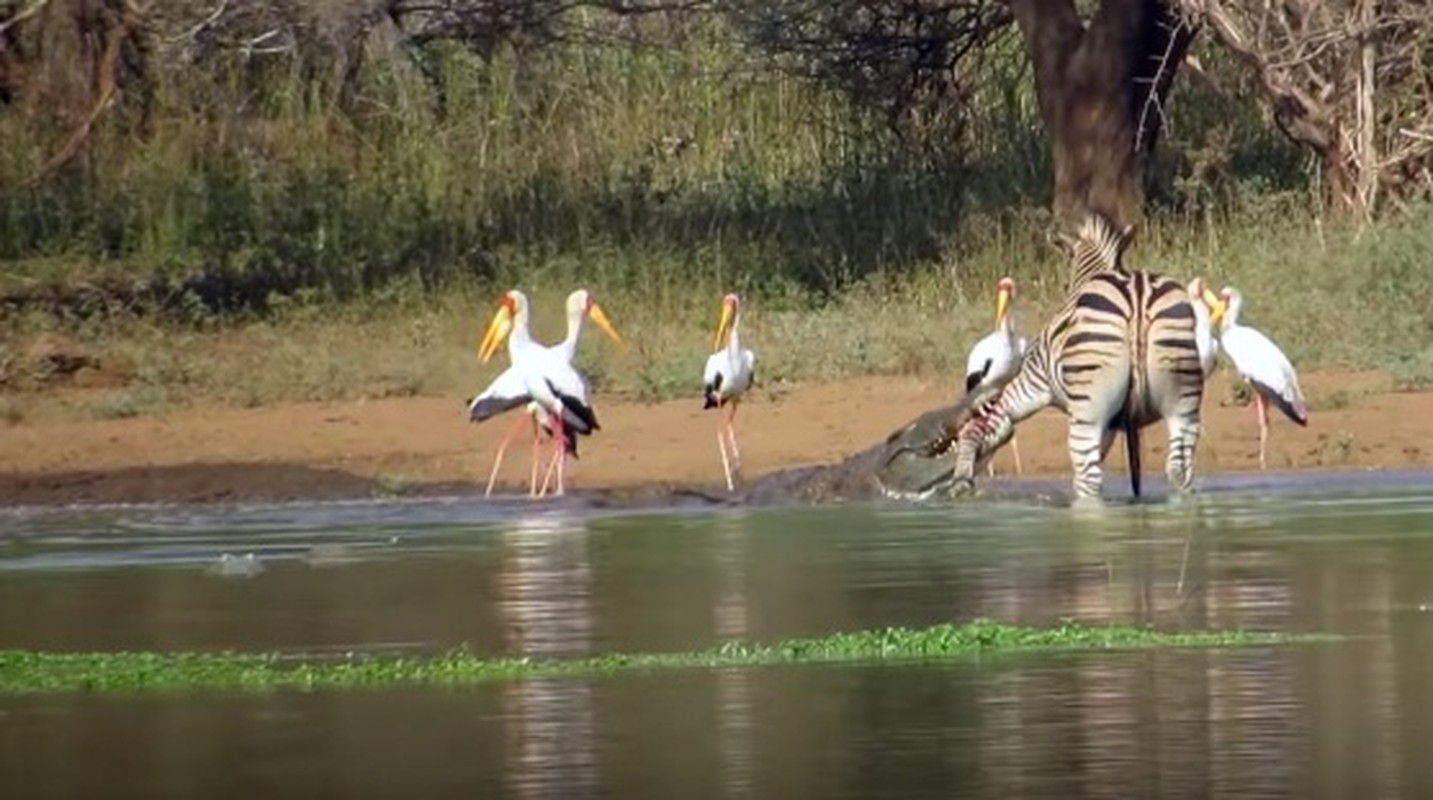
(976, 445)
(1179, 465)
(1088, 443)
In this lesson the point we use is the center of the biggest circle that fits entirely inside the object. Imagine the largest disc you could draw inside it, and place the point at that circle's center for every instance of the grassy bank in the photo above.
(28, 672)
(355, 248)
(1329, 299)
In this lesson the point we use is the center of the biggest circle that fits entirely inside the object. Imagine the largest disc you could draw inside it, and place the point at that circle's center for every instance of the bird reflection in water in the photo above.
(545, 598)
(733, 686)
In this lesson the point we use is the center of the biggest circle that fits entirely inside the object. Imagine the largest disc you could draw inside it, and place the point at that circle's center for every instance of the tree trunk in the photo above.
(1101, 89)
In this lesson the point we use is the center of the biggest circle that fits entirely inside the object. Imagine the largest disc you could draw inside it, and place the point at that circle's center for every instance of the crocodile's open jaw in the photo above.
(913, 476)
(914, 468)
(915, 462)
(910, 476)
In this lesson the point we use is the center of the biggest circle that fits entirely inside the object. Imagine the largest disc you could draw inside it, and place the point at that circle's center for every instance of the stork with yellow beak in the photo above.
(1204, 302)
(996, 358)
(1261, 363)
(543, 379)
(728, 374)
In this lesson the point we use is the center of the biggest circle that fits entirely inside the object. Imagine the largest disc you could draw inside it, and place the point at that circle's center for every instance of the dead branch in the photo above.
(1300, 116)
(1345, 80)
(1169, 60)
(108, 86)
(202, 25)
(23, 14)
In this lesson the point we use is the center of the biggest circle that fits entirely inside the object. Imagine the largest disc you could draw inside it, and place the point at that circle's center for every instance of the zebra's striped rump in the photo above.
(1119, 355)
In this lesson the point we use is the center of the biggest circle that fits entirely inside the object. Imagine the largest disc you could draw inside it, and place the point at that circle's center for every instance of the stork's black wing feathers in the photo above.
(973, 379)
(576, 414)
(709, 392)
(489, 407)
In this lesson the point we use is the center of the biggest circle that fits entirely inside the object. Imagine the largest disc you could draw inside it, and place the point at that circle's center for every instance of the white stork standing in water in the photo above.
(1204, 302)
(1260, 362)
(996, 359)
(728, 374)
(543, 379)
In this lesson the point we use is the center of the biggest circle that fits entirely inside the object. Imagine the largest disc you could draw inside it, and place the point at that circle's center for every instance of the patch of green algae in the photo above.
(26, 672)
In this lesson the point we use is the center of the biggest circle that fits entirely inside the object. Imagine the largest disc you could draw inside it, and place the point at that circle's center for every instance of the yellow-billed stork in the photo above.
(543, 379)
(728, 374)
(1261, 363)
(995, 359)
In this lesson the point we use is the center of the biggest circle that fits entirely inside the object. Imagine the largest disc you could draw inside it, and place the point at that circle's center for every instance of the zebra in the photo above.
(1119, 355)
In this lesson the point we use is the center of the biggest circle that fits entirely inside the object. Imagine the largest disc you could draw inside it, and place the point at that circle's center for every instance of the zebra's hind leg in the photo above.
(1179, 464)
(1088, 441)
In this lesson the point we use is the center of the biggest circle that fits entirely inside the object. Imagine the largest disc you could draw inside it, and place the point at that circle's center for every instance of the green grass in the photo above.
(1358, 303)
(23, 672)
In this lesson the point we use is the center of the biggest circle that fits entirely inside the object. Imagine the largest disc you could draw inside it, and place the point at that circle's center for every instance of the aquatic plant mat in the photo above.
(25, 672)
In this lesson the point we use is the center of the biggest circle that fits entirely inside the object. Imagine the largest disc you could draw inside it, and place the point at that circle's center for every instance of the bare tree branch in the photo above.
(1344, 78)
(23, 14)
(129, 19)
(202, 25)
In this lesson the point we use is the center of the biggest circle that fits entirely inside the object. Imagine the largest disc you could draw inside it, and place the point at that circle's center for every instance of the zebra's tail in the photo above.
(1132, 449)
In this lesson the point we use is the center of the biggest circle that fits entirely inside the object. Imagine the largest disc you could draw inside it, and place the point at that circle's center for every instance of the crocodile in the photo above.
(909, 464)
(904, 466)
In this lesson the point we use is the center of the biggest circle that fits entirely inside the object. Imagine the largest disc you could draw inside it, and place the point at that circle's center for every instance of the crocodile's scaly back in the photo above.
(902, 466)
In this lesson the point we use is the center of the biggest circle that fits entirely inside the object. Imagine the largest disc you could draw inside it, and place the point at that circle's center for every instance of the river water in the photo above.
(1345, 554)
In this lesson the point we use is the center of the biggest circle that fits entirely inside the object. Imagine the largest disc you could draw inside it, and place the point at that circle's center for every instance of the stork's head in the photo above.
(581, 303)
(1199, 292)
(730, 307)
(1004, 293)
(512, 308)
(1227, 307)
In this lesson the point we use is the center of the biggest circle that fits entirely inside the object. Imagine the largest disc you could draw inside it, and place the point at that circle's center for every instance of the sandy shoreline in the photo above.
(424, 445)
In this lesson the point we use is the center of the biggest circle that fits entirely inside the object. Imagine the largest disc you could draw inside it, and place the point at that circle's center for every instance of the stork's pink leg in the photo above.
(1262, 409)
(559, 438)
(731, 434)
(1015, 451)
(536, 457)
(551, 468)
(498, 459)
(725, 462)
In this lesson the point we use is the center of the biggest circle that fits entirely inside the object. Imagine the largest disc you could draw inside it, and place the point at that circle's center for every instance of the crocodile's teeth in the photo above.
(900, 494)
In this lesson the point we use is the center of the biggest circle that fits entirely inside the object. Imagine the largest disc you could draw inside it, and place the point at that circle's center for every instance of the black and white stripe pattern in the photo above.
(1119, 355)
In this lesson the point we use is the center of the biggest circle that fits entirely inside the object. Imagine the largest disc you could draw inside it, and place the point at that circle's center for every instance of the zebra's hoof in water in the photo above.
(962, 487)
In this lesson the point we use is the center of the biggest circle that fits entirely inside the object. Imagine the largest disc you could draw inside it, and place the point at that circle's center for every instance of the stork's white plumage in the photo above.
(580, 305)
(1204, 301)
(728, 374)
(543, 379)
(1260, 362)
(995, 359)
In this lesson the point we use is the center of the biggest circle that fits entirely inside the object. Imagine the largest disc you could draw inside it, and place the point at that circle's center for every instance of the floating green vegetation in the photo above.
(24, 672)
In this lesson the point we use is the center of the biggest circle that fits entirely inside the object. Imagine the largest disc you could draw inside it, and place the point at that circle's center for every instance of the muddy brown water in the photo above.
(1350, 554)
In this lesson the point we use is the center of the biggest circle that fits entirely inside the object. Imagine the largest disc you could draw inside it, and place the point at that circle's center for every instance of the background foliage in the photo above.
(323, 198)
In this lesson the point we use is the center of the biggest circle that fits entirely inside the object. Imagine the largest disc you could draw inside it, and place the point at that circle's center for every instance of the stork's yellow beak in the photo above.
(497, 332)
(723, 326)
(1002, 305)
(1216, 317)
(600, 317)
(1216, 307)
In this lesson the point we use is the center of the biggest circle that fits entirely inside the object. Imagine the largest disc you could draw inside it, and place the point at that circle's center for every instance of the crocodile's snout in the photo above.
(914, 472)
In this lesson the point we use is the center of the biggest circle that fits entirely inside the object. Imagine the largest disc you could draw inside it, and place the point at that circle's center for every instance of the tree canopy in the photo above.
(1351, 80)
